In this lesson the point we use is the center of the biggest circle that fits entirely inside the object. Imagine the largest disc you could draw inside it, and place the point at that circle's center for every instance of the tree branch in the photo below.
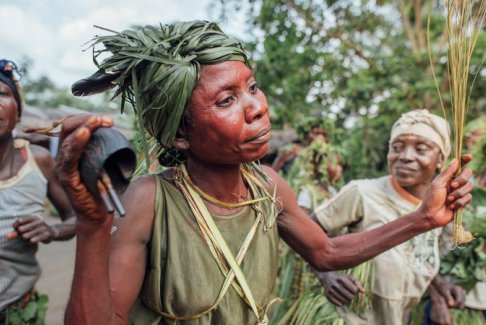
(318, 26)
(407, 25)
(419, 25)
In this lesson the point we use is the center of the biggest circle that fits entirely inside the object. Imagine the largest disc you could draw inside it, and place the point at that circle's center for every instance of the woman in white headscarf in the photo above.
(419, 145)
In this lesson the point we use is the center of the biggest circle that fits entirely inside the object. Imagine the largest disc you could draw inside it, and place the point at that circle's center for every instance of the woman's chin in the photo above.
(261, 152)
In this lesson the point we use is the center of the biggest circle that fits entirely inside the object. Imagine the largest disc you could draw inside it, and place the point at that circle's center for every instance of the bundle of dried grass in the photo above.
(465, 19)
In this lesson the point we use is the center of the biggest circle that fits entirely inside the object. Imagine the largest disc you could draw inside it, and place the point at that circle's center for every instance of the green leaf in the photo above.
(29, 312)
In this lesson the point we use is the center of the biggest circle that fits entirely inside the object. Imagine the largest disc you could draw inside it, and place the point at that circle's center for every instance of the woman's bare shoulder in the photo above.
(141, 190)
(273, 178)
(42, 157)
(138, 201)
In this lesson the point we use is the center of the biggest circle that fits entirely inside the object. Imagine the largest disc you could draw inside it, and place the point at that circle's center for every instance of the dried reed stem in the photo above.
(465, 19)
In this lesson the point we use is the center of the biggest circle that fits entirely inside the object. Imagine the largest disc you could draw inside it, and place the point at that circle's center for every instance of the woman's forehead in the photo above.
(412, 138)
(219, 74)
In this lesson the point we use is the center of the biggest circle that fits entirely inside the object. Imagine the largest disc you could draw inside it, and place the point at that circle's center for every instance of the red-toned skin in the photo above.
(228, 118)
(31, 228)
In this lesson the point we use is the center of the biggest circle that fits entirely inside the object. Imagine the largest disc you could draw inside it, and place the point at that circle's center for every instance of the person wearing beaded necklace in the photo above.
(177, 255)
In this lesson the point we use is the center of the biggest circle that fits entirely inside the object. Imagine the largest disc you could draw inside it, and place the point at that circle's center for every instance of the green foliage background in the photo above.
(361, 63)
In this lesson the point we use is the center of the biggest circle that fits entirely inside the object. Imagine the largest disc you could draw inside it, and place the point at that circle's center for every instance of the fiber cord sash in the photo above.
(228, 264)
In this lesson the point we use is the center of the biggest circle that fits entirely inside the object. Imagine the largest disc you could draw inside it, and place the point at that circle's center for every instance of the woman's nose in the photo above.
(255, 109)
(407, 154)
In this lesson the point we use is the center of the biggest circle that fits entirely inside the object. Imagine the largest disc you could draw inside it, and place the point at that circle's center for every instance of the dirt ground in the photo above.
(57, 262)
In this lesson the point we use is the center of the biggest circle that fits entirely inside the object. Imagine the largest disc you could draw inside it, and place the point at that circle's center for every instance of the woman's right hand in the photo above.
(439, 312)
(340, 289)
(447, 193)
(75, 134)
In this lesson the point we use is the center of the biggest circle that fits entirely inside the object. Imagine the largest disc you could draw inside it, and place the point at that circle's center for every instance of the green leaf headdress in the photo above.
(306, 124)
(155, 68)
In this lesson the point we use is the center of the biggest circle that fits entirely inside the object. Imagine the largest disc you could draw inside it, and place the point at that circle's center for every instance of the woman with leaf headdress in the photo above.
(199, 242)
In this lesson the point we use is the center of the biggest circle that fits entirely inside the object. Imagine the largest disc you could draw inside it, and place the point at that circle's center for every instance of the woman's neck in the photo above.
(6, 149)
(8, 163)
(224, 182)
(418, 191)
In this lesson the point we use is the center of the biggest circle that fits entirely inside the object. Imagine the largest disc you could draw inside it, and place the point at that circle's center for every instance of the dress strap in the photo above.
(228, 264)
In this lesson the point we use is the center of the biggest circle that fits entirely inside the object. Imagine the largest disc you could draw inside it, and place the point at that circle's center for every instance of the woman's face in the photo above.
(413, 160)
(317, 133)
(228, 119)
(8, 110)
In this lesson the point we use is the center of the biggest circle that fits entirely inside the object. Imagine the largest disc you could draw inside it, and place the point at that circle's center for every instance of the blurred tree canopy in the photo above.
(43, 92)
(362, 63)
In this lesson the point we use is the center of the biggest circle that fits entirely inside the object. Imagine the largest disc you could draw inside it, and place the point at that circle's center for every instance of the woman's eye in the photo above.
(397, 147)
(421, 149)
(254, 88)
(227, 101)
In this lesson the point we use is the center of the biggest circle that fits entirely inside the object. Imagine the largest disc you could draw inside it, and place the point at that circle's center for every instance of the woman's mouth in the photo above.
(405, 170)
(261, 137)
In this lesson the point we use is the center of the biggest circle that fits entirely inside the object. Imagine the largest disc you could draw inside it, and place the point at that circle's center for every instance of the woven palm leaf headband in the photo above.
(155, 68)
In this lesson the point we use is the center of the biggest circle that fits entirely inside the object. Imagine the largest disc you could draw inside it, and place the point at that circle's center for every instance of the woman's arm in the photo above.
(56, 195)
(33, 228)
(324, 253)
(109, 270)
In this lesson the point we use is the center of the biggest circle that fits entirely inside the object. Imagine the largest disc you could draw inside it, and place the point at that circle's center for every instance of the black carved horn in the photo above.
(98, 82)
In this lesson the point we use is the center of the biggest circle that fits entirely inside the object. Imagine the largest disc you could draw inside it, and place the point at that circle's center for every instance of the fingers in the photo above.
(23, 220)
(343, 290)
(37, 235)
(73, 122)
(460, 197)
(32, 229)
(446, 175)
(459, 295)
(448, 298)
(338, 297)
(77, 132)
(12, 235)
(465, 159)
(462, 179)
(358, 285)
(461, 189)
(349, 283)
(333, 298)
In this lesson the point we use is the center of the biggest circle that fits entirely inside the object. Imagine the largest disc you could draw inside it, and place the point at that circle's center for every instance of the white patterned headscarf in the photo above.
(422, 123)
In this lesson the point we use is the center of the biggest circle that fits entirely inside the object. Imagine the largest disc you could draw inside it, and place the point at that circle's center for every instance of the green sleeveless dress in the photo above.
(182, 276)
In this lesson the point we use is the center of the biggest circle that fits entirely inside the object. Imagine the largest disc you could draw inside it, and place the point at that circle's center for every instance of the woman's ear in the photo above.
(440, 161)
(181, 144)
